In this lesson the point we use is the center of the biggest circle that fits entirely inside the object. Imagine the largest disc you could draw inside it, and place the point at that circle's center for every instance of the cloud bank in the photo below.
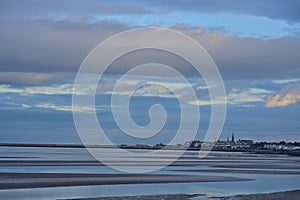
(61, 46)
(288, 95)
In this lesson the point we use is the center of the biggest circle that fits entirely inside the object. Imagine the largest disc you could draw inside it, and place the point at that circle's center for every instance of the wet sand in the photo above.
(146, 197)
(244, 171)
(262, 166)
(288, 195)
(38, 180)
(230, 164)
(223, 163)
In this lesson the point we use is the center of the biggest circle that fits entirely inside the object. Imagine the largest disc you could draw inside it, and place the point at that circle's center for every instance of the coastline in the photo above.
(61, 173)
(286, 195)
(147, 147)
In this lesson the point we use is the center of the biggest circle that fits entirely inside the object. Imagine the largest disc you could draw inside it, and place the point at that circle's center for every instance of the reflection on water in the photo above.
(260, 183)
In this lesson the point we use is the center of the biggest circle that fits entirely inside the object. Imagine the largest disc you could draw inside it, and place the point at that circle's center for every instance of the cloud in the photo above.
(67, 8)
(206, 102)
(285, 81)
(150, 87)
(47, 90)
(12, 105)
(274, 9)
(70, 108)
(240, 97)
(251, 58)
(27, 78)
(50, 45)
(288, 95)
(57, 107)
(60, 46)
(148, 90)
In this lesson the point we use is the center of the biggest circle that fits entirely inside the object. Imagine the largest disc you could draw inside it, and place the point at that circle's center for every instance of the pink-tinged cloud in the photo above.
(289, 95)
(32, 78)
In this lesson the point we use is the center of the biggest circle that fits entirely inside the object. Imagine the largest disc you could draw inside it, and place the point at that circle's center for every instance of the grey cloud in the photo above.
(61, 8)
(236, 58)
(58, 46)
(240, 58)
(28, 78)
(47, 46)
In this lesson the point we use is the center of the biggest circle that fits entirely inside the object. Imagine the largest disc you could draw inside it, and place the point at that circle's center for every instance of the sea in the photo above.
(254, 166)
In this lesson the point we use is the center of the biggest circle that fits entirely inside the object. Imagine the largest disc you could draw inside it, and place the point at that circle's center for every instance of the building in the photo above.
(243, 144)
(246, 142)
(222, 145)
(193, 144)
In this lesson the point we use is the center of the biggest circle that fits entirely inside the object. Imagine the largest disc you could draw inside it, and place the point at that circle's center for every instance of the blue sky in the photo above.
(232, 24)
(255, 46)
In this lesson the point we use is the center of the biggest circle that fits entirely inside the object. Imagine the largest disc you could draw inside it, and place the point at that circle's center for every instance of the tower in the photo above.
(232, 137)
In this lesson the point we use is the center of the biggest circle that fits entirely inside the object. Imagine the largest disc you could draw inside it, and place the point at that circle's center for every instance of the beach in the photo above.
(38, 180)
(288, 195)
(72, 173)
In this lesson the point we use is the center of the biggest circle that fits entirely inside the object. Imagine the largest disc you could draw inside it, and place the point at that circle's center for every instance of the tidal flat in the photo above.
(72, 173)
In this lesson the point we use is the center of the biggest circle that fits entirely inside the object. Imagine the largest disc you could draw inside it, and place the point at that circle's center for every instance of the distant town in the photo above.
(242, 145)
(230, 144)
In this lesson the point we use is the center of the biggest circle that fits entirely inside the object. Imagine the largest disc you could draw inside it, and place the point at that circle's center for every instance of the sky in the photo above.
(255, 45)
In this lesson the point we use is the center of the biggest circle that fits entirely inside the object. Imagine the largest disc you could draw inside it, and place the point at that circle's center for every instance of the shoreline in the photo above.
(254, 151)
(47, 169)
(286, 195)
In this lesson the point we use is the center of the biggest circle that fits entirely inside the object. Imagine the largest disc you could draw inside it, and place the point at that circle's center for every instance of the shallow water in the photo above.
(260, 183)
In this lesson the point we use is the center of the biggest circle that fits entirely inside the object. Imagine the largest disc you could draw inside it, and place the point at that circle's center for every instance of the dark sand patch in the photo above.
(246, 171)
(97, 163)
(215, 163)
(37, 180)
(288, 195)
(262, 166)
(22, 157)
(147, 197)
